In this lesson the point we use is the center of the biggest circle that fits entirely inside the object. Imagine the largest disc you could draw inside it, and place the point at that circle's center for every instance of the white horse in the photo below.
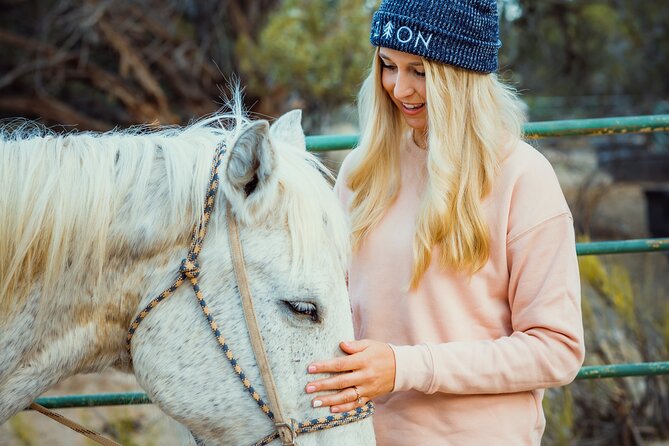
(95, 226)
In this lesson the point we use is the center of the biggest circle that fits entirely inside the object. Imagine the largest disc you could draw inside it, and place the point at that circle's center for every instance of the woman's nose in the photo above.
(403, 87)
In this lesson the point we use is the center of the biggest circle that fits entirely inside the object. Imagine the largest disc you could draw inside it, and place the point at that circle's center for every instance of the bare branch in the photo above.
(51, 109)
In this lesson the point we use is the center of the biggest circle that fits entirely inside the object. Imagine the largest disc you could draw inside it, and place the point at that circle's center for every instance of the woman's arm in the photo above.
(546, 347)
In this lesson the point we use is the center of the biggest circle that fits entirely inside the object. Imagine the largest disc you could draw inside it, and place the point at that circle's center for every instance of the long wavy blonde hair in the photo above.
(472, 117)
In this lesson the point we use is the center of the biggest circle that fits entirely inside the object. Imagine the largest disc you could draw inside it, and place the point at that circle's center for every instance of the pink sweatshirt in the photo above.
(473, 354)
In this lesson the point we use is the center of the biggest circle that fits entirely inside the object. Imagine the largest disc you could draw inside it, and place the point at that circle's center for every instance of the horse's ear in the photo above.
(248, 176)
(288, 128)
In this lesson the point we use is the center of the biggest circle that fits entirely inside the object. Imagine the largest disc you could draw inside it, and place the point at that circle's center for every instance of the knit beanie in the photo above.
(464, 33)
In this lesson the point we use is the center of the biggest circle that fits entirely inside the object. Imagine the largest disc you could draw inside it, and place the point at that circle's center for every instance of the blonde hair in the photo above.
(471, 118)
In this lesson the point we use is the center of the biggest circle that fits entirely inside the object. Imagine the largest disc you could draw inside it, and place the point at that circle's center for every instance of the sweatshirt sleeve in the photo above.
(545, 347)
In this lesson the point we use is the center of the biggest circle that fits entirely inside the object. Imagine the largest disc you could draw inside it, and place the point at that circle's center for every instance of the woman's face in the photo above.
(403, 78)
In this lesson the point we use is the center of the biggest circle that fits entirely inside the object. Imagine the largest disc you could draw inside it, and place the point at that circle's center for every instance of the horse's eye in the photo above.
(303, 308)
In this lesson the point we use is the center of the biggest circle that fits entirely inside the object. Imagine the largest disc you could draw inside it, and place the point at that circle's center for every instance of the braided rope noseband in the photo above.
(189, 269)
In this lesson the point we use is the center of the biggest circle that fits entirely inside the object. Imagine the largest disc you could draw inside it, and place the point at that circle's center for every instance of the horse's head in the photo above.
(295, 243)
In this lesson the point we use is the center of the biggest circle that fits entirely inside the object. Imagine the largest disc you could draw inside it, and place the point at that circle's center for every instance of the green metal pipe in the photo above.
(324, 143)
(622, 370)
(598, 126)
(99, 399)
(623, 246)
(122, 399)
(544, 129)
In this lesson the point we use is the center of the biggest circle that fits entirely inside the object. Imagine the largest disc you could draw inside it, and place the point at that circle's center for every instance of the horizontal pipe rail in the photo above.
(122, 399)
(623, 370)
(598, 126)
(325, 143)
(623, 246)
(544, 129)
(93, 400)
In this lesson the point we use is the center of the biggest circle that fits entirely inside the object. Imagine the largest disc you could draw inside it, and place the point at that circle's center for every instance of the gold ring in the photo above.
(358, 397)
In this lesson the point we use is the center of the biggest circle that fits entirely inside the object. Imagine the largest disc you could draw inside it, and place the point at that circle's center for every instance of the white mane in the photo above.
(73, 201)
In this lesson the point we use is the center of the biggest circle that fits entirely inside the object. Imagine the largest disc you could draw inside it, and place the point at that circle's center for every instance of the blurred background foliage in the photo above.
(100, 64)
(593, 58)
(310, 55)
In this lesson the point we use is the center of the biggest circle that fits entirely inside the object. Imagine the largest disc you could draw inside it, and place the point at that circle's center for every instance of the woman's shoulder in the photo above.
(351, 160)
(526, 167)
(522, 159)
(529, 186)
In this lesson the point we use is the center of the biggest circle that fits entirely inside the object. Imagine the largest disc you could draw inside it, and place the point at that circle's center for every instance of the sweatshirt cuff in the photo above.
(414, 367)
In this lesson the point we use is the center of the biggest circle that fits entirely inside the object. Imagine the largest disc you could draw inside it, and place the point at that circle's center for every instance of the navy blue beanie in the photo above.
(464, 33)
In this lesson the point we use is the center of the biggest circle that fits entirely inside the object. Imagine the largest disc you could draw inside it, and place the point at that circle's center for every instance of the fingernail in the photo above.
(317, 403)
(311, 389)
(334, 410)
(311, 369)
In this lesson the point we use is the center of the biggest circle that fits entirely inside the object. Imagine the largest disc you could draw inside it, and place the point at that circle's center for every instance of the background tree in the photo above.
(311, 54)
(596, 58)
(101, 64)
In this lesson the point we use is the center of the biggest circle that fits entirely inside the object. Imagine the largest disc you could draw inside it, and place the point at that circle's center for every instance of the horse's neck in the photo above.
(96, 307)
(135, 275)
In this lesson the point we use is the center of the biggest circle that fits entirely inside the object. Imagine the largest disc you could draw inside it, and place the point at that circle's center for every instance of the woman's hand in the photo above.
(367, 372)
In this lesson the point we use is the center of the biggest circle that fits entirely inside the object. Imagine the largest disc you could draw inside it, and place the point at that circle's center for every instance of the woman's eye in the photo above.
(388, 67)
(420, 73)
(303, 308)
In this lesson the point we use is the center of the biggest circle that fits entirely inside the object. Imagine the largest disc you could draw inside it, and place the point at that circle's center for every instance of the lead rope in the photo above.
(190, 269)
(99, 439)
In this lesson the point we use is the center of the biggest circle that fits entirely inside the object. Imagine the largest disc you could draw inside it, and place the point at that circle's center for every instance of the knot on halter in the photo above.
(190, 268)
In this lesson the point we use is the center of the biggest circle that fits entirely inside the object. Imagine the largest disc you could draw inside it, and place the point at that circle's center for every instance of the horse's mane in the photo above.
(62, 195)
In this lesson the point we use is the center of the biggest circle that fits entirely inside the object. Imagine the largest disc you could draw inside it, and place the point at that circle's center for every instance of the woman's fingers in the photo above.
(350, 397)
(351, 347)
(336, 382)
(336, 365)
(348, 406)
(342, 364)
(367, 372)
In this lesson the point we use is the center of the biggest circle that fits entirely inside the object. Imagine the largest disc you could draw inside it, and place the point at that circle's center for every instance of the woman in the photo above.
(464, 280)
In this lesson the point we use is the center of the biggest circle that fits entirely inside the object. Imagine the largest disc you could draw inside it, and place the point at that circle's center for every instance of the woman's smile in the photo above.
(412, 109)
